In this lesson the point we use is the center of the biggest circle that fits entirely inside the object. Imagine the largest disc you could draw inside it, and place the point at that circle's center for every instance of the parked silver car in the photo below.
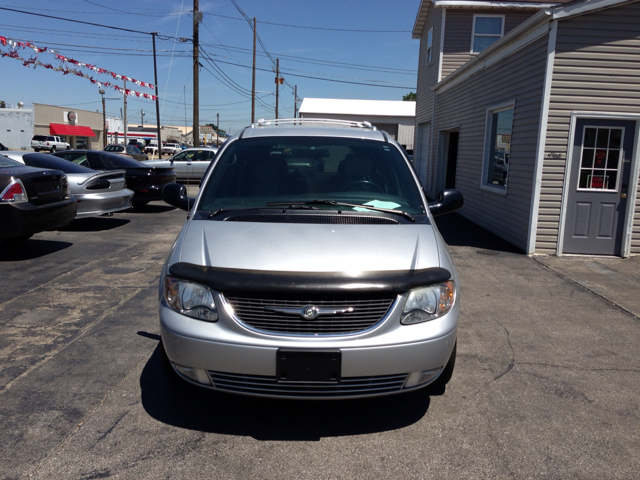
(189, 164)
(128, 150)
(310, 267)
(97, 193)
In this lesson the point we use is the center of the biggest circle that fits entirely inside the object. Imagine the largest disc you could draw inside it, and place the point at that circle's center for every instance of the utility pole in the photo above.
(125, 112)
(277, 84)
(253, 80)
(104, 120)
(142, 117)
(295, 101)
(218, 130)
(197, 18)
(155, 74)
(184, 96)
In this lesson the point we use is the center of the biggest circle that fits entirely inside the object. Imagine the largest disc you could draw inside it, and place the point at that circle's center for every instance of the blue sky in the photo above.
(334, 50)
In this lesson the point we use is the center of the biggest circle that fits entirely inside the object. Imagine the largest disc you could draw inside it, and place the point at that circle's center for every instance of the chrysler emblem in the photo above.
(310, 312)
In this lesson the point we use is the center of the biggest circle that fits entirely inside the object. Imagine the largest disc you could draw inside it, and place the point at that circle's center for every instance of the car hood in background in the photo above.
(310, 247)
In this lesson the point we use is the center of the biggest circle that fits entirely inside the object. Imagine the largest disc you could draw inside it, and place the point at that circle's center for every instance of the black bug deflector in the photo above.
(259, 281)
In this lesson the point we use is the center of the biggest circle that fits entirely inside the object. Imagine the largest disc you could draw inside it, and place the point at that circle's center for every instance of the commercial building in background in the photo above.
(79, 128)
(145, 133)
(16, 127)
(397, 118)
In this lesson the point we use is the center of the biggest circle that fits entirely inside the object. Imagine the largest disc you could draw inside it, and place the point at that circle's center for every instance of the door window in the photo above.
(184, 156)
(600, 158)
(205, 155)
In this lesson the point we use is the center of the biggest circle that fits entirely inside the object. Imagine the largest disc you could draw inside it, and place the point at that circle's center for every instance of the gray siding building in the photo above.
(532, 110)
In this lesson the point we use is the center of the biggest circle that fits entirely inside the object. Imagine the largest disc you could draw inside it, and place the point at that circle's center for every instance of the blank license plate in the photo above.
(316, 366)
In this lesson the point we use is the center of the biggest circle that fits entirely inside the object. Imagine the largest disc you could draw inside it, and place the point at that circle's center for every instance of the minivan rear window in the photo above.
(257, 171)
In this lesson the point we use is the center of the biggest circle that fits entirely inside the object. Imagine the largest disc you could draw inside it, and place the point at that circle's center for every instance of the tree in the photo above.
(409, 97)
(215, 128)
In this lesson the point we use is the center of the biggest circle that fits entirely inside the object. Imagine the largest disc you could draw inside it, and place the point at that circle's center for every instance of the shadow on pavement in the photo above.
(194, 408)
(161, 208)
(458, 231)
(94, 224)
(30, 249)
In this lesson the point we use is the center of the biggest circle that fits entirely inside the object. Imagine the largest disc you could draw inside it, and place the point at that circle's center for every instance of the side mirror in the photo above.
(175, 194)
(448, 201)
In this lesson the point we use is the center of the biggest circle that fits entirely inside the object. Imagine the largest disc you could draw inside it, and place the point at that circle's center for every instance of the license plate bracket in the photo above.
(308, 366)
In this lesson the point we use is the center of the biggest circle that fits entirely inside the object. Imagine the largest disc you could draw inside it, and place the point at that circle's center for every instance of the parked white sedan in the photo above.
(190, 164)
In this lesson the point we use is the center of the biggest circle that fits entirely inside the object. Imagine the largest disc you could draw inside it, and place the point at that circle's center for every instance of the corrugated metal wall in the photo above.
(596, 68)
(518, 77)
(458, 30)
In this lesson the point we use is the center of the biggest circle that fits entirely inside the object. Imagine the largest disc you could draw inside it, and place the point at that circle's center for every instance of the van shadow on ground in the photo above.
(460, 232)
(193, 408)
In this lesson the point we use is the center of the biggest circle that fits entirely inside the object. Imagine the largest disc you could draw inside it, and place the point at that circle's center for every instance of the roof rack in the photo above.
(318, 122)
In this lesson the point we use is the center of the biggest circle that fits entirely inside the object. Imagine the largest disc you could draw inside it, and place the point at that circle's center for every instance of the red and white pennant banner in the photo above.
(13, 53)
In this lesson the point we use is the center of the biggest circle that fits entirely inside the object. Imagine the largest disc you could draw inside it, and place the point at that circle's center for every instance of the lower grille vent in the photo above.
(348, 387)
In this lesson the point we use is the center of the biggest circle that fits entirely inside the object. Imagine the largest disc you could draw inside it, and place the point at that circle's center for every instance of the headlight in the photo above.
(191, 299)
(427, 303)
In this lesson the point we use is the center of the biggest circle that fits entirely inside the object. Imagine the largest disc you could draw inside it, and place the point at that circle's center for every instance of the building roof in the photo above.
(423, 9)
(378, 108)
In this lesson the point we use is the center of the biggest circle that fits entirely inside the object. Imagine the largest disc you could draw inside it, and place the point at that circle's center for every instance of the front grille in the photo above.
(313, 218)
(366, 313)
(348, 387)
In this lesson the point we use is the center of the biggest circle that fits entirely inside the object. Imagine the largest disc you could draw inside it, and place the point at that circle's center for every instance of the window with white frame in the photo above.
(429, 45)
(487, 29)
(498, 147)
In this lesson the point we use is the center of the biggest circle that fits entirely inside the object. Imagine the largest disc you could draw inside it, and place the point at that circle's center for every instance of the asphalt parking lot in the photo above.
(546, 381)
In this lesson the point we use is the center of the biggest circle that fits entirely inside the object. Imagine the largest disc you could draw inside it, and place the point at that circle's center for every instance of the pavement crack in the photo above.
(87, 418)
(106, 434)
(584, 287)
(512, 361)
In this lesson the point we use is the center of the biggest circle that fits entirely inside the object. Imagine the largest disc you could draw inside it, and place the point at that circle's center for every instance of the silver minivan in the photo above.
(310, 266)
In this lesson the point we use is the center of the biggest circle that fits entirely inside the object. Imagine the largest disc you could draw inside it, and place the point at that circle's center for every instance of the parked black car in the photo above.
(32, 200)
(2, 147)
(146, 182)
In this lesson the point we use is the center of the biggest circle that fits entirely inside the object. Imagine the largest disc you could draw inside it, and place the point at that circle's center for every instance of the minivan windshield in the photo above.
(256, 173)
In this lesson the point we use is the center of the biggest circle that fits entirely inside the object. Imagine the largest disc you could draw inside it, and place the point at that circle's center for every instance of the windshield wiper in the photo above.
(292, 205)
(272, 206)
(404, 214)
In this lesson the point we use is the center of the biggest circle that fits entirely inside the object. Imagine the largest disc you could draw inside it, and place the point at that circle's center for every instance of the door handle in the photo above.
(624, 195)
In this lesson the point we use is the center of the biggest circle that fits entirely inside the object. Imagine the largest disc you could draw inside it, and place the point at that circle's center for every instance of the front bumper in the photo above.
(377, 362)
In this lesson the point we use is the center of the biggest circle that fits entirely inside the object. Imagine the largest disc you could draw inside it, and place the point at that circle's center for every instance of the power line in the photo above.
(309, 27)
(75, 21)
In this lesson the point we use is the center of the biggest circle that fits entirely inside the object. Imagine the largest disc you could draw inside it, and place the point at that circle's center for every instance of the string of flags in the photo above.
(75, 69)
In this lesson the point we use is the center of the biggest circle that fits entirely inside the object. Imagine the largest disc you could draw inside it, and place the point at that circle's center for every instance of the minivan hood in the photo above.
(289, 247)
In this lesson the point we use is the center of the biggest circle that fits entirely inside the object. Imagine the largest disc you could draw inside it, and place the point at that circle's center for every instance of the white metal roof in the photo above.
(378, 108)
